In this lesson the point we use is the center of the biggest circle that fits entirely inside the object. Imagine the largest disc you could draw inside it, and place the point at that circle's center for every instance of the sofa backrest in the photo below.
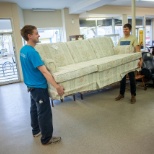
(81, 50)
(102, 46)
(62, 54)
(43, 54)
(58, 52)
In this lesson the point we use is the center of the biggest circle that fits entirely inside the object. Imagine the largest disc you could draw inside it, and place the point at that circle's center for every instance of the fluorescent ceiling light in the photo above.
(43, 9)
(146, 0)
(95, 18)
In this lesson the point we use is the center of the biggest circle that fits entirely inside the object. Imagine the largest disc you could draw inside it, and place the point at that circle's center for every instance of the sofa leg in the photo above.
(81, 96)
(143, 83)
(51, 100)
(74, 97)
(52, 103)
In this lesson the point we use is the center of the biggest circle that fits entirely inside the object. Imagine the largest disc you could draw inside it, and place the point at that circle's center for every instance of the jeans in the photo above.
(41, 114)
(132, 84)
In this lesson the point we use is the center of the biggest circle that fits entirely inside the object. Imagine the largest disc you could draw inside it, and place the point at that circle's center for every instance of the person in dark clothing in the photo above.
(129, 39)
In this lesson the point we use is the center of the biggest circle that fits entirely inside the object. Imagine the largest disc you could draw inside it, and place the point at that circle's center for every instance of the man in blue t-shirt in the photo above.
(35, 77)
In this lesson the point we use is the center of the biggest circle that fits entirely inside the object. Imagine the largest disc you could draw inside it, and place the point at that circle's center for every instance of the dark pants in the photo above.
(41, 114)
(132, 84)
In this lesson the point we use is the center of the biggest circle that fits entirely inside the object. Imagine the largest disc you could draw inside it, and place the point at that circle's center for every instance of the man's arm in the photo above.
(137, 49)
(51, 80)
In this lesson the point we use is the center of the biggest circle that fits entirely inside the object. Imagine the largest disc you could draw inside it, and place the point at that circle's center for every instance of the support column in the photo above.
(124, 19)
(96, 27)
(64, 38)
(133, 17)
(70, 24)
(113, 26)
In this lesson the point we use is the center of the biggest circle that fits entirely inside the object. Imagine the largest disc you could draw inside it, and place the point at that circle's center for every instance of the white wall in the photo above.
(21, 17)
(43, 19)
(58, 18)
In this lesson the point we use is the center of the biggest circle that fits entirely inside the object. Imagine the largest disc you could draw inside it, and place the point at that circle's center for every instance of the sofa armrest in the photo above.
(123, 49)
(50, 64)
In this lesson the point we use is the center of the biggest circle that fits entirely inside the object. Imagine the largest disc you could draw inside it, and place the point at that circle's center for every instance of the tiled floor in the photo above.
(96, 125)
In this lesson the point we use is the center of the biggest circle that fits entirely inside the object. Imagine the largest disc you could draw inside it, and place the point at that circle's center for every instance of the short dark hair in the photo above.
(129, 26)
(27, 29)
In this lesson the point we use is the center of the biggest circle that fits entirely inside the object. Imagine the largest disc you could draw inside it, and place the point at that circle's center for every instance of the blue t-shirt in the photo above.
(30, 60)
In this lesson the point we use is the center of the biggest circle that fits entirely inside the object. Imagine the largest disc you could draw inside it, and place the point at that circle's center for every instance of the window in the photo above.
(113, 28)
(48, 35)
(95, 28)
(88, 28)
(5, 25)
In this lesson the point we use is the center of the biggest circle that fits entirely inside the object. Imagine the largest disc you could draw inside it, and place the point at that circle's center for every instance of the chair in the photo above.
(148, 67)
(151, 50)
(139, 77)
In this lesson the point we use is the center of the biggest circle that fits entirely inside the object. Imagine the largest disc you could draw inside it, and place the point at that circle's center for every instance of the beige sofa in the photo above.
(87, 65)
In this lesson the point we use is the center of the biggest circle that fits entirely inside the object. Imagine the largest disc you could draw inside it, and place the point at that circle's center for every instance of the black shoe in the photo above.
(133, 99)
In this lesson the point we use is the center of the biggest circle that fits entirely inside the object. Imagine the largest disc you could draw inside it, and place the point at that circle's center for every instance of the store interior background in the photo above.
(97, 124)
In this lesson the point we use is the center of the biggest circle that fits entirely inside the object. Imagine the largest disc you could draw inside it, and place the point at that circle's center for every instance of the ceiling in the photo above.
(77, 6)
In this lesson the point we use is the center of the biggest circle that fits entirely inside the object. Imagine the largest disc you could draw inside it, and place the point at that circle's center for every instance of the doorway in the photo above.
(8, 65)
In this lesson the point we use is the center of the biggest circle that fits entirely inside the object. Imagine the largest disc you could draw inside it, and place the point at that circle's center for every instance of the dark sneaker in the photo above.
(119, 97)
(54, 140)
(38, 134)
(133, 99)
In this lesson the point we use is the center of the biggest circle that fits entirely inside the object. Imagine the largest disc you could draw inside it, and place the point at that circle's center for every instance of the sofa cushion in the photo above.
(74, 71)
(81, 50)
(131, 57)
(123, 49)
(58, 52)
(114, 61)
(80, 69)
(108, 62)
(103, 46)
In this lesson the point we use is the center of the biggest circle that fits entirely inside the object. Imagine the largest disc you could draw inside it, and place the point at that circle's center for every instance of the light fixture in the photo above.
(146, 0)
(95, 18)
(42, 9)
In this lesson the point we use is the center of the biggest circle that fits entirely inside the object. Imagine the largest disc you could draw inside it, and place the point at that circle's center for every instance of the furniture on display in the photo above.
(148, 67)
(87, 65)
(139, 78)
(6, 66)
(76, 37)
(151, 49)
